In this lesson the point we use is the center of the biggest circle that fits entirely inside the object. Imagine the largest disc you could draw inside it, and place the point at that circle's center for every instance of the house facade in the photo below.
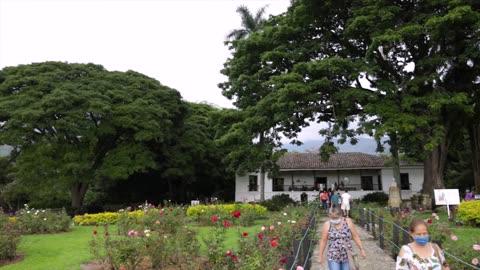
(305, 173)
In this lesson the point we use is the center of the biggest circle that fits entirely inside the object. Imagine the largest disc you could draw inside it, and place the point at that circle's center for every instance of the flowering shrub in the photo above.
(9, 239)
(249, 212)
(468, 212)
(94, 219)
(32, 220)
(156, 236)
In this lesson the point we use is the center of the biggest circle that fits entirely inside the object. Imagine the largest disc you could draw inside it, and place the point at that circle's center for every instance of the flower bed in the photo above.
(166, 238)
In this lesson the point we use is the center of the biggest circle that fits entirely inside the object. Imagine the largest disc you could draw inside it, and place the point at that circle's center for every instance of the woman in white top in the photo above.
(420, 254)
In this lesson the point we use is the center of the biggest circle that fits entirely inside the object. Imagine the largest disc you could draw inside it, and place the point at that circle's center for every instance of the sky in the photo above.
(178, 42)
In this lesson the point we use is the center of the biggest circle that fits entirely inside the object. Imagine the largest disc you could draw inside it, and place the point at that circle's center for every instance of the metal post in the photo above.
(373, 225)
(380, 232)
(362, 217)
(368, 220)
(406, 236)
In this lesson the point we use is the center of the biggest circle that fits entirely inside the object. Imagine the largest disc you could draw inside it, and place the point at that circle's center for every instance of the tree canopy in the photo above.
(401, 69)
(74, 124)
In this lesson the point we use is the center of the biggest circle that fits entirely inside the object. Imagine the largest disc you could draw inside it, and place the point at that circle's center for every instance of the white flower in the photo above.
(28, 212)
(263, 228)
(279, 223)
(164, 236)
(43, 211)
(293, 222)
(288, 221)
(44, 218)
(284, 214)
(146, 231)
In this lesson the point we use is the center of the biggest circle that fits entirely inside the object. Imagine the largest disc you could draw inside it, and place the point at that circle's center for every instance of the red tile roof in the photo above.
(346, 160)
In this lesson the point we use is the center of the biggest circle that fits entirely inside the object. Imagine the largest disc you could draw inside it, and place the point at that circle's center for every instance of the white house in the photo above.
(359, 173)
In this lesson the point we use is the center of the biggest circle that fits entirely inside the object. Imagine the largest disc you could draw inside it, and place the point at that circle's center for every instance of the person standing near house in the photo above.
(469, 195)
(335, 199)
(324, 199)
(338, 233)
(346, 203)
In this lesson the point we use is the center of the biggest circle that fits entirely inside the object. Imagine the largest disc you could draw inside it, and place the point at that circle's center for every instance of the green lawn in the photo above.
(62, 251)
(66, 251)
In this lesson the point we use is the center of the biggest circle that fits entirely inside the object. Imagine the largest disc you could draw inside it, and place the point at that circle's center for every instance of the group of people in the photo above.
(331, 199)
(339, 231)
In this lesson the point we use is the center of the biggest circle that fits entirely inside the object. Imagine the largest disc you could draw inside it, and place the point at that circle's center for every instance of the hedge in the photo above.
(469, 211)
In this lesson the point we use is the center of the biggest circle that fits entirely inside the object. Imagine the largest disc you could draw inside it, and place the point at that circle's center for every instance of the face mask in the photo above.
(335, 221)
(422, 241)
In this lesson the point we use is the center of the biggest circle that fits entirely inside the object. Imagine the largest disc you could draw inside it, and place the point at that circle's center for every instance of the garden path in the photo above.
(377, 259)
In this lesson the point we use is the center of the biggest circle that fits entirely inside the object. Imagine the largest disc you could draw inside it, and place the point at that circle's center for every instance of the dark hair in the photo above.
(417, 222)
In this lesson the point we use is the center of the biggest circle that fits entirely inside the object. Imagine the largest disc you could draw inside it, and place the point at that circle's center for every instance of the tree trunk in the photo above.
(434, 166)
(396, 162)
(474, 134)
(78, 191)
(262, 184)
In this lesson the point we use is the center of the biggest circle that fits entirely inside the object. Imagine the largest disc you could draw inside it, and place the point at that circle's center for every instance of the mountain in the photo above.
(5, 150)
(364, 145)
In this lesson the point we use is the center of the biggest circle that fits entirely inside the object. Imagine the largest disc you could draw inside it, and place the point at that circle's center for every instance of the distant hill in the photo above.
(5, 150)
(364, 145)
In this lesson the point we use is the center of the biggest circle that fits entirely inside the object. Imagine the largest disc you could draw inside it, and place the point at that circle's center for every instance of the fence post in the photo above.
(396, 235)
(406, 236)
(380, 232)
(368, 220)
(362, 217)
(373, 226)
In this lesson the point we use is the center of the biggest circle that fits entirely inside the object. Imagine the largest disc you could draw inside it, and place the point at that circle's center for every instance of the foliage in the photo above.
(87, 124)
(9, 238)
(385, 65)
(376, 197)
(94, 219)
(31, 220)
(203, 213)
(278, 202)
(469, 212)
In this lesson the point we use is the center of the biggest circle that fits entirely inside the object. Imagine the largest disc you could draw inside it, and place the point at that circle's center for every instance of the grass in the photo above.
(62, 251)
(67, 251)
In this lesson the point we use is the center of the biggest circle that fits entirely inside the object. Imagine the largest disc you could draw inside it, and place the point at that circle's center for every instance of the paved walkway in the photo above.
(377, 259)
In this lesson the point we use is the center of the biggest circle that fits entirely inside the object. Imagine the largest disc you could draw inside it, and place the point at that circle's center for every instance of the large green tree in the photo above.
(72, 125)
(385, 65)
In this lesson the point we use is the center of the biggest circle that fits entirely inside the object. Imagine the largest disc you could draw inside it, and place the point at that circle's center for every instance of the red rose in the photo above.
(95, 232)
(229, 253)
(234, 258)
(236, 214)
(260, 235)
(429, 220)
(226, 224)
(283, 260)
(245, 234)
(106, 233)
(214, 218)
(273, 243)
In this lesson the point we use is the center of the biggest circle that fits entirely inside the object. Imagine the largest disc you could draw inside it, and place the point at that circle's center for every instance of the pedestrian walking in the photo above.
(337, 236)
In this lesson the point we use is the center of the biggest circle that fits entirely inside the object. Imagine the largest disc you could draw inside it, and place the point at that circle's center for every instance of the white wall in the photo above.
(308, 178)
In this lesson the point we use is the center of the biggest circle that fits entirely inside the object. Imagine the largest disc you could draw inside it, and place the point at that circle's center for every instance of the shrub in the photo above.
(468, 212)
(9, 239)
(204, 213)
(32, 220)
(277, 202)
(376, 197)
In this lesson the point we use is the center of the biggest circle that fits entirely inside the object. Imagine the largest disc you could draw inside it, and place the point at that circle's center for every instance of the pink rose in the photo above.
(453, 237)
(272, 228)
(476, 247)
(475, 261)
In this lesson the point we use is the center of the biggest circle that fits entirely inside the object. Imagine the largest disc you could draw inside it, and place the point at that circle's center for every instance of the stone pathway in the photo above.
(377, 259)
